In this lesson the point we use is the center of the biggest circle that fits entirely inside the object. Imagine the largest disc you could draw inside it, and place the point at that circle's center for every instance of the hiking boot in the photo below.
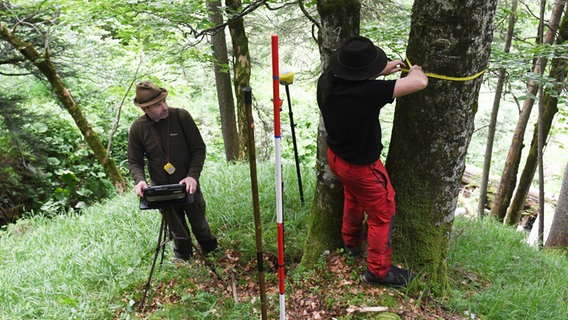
(396, 277)
(208, 247)
(182, 255)
(178, 260)
(352, 251)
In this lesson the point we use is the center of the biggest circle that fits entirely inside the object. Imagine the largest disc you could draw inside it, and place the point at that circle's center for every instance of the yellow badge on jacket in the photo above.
(169, 168)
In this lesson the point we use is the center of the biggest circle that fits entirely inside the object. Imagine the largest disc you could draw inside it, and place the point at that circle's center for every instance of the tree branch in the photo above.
(307, 14)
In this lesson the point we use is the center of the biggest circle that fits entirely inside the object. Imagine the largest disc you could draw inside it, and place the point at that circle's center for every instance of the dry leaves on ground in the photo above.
(334, 291)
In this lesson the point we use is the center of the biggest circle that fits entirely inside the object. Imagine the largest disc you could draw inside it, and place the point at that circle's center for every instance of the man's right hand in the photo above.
(138, 189)
(415, 80)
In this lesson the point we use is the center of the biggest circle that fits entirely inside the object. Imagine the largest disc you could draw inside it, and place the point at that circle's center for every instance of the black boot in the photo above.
(396, 277)
(210, 246)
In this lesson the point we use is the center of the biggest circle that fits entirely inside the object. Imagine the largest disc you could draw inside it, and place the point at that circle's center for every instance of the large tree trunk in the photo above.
(509, 175)
(558, 234)
(495, 110)
(241, 69)
(558, 71)
(223, 84)
(47, 68)
(432, 128)
(324, 231)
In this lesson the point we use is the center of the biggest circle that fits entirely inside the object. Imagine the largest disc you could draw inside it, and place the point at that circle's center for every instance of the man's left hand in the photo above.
(190, 184)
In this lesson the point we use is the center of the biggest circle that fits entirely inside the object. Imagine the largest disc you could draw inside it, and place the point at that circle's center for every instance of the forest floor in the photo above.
(329, 293)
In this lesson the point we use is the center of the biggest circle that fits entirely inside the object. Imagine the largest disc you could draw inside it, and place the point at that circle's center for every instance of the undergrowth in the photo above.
(93, 264)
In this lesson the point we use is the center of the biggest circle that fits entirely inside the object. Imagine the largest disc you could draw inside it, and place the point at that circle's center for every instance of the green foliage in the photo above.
(524, 50)
(388, 24)
(46, 164)
(234, 214)
(305, 128)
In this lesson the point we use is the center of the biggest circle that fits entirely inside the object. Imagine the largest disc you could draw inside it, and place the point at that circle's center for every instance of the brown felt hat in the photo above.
(148, 94)
(358, 59)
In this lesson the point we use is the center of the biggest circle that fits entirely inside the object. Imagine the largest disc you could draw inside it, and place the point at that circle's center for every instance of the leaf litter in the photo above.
(334, 290)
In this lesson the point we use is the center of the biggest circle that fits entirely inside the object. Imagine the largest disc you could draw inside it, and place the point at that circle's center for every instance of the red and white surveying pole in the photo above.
(278, 163)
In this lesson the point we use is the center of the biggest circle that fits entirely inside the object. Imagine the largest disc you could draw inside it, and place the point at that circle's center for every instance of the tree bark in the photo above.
(432, 129)
(241, 69)
(509, 175)
(223, 84)
(558, 234)
(339, 21)
(558, 72)
(47, 68)
(494, 112)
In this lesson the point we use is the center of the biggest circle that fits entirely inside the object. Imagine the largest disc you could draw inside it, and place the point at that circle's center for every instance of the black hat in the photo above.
(358, 59)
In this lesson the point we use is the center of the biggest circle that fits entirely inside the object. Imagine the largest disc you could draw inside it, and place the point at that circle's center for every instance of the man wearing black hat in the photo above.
(350, 99)
(172, 144)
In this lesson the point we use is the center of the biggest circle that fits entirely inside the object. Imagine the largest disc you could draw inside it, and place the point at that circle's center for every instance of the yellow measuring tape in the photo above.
(439, 76)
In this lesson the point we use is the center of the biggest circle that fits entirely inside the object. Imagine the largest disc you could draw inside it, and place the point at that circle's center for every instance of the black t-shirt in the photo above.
(351, 116)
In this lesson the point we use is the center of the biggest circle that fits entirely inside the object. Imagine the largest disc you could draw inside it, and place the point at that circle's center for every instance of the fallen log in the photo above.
(353, 309)
(472, 178)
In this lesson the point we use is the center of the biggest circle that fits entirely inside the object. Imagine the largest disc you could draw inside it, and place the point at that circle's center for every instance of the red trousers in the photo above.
(367, 189)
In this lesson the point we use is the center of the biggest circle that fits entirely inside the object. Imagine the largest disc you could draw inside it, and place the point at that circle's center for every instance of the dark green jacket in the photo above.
(175, 139)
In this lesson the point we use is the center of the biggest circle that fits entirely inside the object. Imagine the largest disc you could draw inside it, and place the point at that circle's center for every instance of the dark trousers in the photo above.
(177, 223)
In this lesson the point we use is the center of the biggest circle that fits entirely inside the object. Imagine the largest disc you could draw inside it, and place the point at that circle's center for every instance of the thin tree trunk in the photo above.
(433, 127)
(558, 72)
(494, 112)
(223, 84)
(241, 69)
(509, 175)
(558, 235)
(339, 21)
(540, 170)
(47, 68)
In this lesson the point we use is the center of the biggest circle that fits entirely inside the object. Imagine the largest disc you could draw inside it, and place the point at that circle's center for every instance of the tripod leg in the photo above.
(166, 236)
(158, 247)
(199, 251)
(207, 262)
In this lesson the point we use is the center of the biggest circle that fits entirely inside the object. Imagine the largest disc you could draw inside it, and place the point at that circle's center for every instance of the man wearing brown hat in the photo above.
(350, 99)
(170, 141)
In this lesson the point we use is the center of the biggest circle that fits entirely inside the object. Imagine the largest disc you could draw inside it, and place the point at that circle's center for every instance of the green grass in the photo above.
(72, 266)
(93, 265)
(506, 278)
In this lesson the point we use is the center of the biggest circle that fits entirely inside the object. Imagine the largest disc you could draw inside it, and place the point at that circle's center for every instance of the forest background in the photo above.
(47, 164)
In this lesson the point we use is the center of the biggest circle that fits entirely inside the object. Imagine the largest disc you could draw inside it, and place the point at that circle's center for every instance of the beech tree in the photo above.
(432, 128)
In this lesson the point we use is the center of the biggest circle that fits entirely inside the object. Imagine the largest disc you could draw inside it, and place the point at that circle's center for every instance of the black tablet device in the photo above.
(163, 196)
